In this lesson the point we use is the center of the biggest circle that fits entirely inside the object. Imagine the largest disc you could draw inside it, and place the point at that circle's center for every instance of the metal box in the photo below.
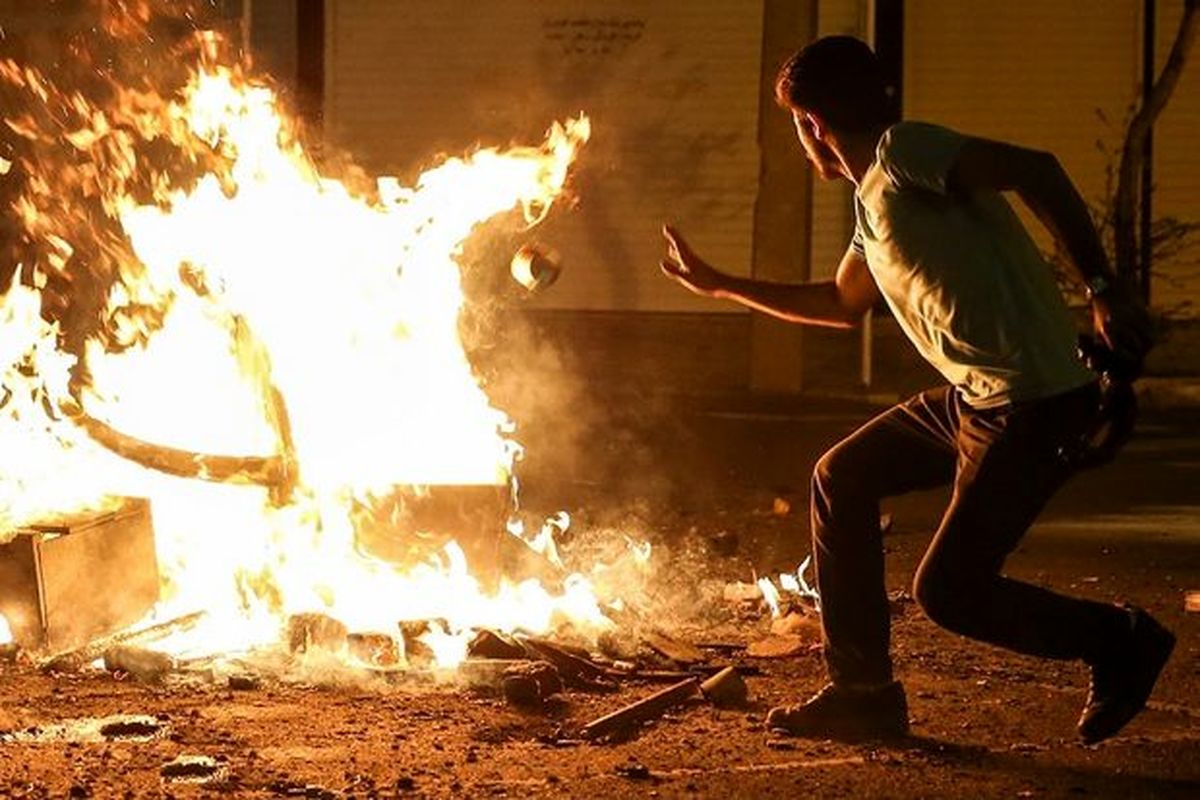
(66, 583)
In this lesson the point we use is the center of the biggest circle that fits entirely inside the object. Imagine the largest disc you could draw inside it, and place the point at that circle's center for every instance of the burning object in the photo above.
(66, 582)
(793, 588)
(195, 287)
(535, 267)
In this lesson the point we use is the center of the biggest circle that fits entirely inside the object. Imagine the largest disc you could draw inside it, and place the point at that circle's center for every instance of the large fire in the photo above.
(302, 334)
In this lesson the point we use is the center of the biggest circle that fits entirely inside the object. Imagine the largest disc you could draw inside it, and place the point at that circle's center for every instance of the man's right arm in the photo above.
(837, 303)
(1042, 184)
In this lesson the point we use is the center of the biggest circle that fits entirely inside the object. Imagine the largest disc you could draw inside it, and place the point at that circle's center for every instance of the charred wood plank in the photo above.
(76, 659)
(493, 644)
(672, 649)
(625, 720)
(576, 671)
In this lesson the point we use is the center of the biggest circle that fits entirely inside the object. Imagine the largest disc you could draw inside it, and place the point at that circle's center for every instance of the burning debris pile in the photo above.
(240, 436)
(270, 357)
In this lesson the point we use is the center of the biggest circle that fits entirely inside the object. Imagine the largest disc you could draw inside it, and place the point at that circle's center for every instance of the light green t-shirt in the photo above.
(964, 279)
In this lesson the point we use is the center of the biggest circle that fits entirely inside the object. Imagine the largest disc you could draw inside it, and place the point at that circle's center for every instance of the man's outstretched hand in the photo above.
(683, 265)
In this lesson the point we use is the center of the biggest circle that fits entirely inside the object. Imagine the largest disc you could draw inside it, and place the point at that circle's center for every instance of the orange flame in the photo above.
(265, 309)
(792, 583)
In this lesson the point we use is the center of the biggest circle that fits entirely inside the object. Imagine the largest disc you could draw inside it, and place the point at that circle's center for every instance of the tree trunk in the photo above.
(1132, 155)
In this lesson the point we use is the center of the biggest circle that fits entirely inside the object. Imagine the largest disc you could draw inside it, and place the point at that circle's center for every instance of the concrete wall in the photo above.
(671, 91)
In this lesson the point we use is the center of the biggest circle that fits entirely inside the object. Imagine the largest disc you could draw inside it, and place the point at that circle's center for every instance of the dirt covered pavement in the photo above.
(721, 493)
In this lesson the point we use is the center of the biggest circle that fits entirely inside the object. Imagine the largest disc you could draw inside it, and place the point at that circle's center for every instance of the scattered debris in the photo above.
(576, 671)
(531, 683)
(77, 659)
(781, 507)
(726, 689)
(618, 645)
(313, 630)
(244, 683)
(634, 771)
(491, 644)
(9, 652)
(625, 720)
(779, 646)
(487, 673)
(374, 649)
(673, 649)
(416, 652)
(796, 623)
(745, 670)
(159, 630)
(145, 665)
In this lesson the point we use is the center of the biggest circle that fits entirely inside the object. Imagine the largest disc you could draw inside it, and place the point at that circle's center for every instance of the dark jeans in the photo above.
(1004, 467)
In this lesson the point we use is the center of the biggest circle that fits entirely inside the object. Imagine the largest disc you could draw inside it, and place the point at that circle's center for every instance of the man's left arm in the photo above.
(1041, 182)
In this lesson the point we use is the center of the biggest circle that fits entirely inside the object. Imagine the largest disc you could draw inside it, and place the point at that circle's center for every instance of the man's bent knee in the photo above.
(947, 598)
(834, 477)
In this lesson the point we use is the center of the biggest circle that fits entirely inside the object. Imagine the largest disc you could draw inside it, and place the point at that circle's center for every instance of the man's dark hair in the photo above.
(839, 78)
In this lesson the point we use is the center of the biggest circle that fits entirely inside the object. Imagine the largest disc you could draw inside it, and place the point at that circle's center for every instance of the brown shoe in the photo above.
(841, 713)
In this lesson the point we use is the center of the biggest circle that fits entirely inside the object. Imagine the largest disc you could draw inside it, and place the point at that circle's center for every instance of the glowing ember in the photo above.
(5, 631)
(262, 311)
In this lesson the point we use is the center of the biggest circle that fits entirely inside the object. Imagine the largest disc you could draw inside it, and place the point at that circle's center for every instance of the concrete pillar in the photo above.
(783, 213)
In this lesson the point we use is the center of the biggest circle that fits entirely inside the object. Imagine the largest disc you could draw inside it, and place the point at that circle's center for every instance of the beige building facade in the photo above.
(686, 130)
